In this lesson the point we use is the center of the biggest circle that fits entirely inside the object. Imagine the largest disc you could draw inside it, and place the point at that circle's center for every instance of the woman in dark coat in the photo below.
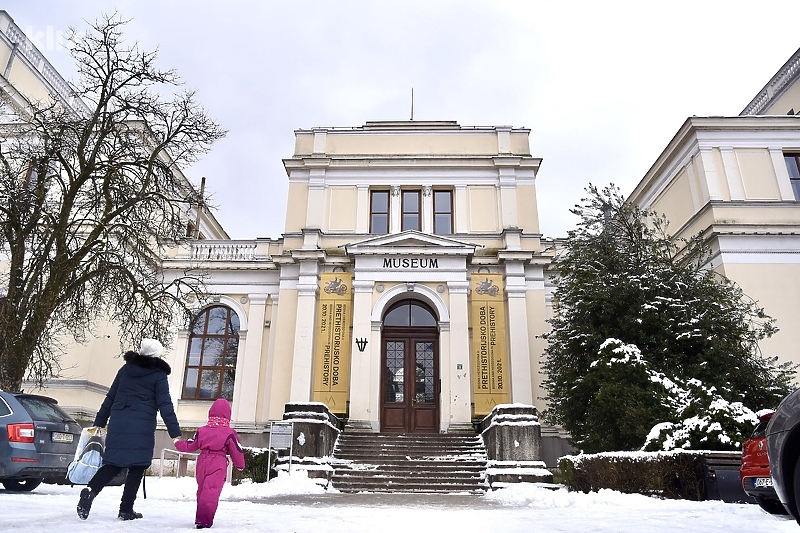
(138, 392)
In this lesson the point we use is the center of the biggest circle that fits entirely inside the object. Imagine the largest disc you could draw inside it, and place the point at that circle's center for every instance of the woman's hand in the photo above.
(176, 439)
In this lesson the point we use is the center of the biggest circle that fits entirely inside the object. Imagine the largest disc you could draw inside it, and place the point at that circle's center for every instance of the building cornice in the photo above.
(698, 133)
(775, 87)
(24, 50)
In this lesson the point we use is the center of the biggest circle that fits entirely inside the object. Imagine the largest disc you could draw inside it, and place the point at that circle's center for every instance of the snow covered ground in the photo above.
(294, 504)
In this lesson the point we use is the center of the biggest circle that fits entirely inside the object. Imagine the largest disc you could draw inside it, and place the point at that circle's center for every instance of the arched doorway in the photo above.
(410, 369)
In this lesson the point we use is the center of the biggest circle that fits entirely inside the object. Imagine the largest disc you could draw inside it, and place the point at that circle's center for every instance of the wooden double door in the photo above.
(410, 380)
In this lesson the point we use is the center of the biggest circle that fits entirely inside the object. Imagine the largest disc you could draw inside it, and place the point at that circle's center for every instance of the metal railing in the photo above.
(182, 464)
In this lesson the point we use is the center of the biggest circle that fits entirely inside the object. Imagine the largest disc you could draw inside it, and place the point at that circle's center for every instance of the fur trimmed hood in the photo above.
(146, 362)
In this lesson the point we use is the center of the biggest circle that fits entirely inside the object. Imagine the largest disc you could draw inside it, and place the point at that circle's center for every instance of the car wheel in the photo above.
(771, 506)
(22, 485)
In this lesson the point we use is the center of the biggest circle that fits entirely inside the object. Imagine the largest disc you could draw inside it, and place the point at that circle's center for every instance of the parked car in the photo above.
(37, 440)
(754, 472)
(783, 447)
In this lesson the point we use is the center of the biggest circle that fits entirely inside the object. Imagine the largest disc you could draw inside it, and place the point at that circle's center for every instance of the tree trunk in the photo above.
(18, 343)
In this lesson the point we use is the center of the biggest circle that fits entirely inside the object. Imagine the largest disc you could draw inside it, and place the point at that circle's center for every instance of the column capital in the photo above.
(360, 285)
(258, 299)
(458, 287)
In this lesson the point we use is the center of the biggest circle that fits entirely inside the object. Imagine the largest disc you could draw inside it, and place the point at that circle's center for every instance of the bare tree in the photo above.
(90, 197)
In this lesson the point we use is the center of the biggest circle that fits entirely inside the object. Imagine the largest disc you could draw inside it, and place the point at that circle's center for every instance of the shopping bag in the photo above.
(88, 456)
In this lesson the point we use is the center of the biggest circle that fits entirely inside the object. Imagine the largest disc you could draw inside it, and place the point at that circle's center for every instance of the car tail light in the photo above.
(20, 433)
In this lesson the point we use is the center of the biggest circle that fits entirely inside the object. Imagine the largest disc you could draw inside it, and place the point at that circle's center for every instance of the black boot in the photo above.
(132, 481)
(128, 515)
(85, 503)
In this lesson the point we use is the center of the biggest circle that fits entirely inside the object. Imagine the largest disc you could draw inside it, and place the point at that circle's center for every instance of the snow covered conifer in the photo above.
(622, 276)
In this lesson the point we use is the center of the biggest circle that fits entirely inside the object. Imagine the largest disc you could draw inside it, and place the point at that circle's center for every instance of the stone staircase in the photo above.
(420, 463)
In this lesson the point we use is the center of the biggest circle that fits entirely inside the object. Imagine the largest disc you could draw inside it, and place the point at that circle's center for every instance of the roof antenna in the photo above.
(412, 103)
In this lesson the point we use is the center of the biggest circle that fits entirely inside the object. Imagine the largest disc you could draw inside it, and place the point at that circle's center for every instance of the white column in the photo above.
(694, 186)
(307, 285)
(362, 210)
(248, 365)
(732, 174)
(508, 198)
(177, 363)
(360, 387)
(427, 209)
(782, 174)
(460, 210)
(460, 378)
(270, 329)
(374, 376)
(394, 210)
(316, 213)
(710, 179)
(519, 347)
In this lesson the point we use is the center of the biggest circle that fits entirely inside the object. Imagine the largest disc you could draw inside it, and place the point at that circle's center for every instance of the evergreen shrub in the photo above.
(673, 475)
(259, 466)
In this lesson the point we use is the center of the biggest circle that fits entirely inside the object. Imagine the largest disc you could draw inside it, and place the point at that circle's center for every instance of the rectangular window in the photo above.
(442, 212)
(411, 207)
(793, 165)
(379, 212)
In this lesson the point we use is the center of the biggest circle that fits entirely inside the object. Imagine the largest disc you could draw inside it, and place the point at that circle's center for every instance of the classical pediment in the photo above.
(411, 242)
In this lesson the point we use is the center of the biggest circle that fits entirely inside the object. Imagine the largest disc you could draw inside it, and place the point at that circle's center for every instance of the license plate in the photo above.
(763, 482)
(61, 437)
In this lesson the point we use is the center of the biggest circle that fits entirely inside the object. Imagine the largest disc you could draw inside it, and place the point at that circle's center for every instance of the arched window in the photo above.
(410, 313)
(211, 361)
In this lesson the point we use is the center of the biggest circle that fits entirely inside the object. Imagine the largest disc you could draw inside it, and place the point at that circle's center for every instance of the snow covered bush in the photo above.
(703, 419)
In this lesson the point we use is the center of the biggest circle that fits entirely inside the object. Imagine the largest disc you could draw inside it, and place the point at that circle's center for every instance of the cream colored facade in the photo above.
(728, 178)
(724, 176)
(274, 285)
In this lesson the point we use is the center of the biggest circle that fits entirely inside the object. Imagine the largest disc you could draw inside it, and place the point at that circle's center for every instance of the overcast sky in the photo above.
(603, 86)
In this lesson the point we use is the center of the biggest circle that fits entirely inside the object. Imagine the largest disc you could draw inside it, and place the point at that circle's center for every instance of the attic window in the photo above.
(379, 212)
(443, 212)
(411, 207)
(793, 166)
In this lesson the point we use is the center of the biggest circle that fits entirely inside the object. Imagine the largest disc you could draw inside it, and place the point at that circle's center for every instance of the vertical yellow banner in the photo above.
(490, 356)
(333, 346)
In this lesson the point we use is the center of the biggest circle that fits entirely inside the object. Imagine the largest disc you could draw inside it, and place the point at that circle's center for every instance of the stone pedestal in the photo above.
(314, 433)
(512, 436)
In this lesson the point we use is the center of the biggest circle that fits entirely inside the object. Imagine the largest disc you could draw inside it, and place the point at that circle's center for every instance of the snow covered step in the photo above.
(368, 462)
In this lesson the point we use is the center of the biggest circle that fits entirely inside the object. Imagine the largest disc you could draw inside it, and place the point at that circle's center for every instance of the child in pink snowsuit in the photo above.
(216, 440)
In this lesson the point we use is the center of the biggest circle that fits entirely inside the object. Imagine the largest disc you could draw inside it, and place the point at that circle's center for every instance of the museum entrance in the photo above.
(410, 369)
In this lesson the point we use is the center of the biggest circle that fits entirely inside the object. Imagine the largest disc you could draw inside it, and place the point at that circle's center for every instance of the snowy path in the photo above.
(295, 505)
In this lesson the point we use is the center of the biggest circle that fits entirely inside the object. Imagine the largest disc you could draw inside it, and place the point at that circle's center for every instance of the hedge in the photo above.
(676, 475)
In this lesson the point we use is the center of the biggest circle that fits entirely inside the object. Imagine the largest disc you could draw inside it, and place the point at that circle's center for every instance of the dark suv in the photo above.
(755, 473)
(37, 440)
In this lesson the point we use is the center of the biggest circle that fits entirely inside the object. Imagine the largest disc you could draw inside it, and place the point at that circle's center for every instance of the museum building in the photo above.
(411, 285)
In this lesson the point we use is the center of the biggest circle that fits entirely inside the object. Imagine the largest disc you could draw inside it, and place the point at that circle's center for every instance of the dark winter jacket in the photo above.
(138, 392)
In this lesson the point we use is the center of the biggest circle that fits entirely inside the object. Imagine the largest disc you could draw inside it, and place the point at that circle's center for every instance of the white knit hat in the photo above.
(151, 348)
